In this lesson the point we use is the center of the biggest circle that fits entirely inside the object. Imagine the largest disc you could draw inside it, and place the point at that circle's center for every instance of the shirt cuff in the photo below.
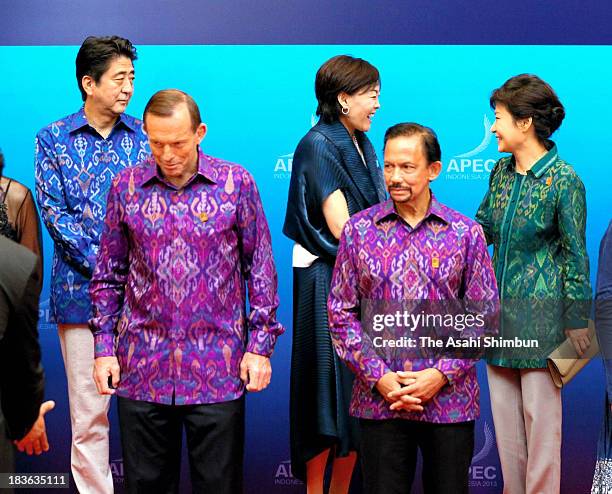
(261, 343)
(104, 345)
(451, 368)
(373, 374)
(576, 323)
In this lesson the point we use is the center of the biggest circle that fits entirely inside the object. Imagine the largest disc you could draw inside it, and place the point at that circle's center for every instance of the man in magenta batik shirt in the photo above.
(185, 236)
(410, 248)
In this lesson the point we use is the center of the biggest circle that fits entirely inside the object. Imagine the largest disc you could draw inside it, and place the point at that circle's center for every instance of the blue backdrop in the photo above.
(258, 101)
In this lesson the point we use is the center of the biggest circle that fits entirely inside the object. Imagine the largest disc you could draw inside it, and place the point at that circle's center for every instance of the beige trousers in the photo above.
(88, 413)
(527, 414)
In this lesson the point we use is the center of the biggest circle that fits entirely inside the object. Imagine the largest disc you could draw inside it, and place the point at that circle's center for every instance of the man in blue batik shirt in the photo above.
(76, 160)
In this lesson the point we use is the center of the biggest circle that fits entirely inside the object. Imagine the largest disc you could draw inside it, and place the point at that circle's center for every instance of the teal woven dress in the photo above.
(536, 223)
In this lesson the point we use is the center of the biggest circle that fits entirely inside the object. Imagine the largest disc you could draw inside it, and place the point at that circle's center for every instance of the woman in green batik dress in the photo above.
(534, 214)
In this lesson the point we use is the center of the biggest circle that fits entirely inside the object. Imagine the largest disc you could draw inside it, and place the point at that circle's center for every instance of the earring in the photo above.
(345, 111)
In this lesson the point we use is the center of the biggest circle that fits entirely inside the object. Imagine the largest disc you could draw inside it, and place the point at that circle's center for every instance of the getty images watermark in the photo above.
(416, 329)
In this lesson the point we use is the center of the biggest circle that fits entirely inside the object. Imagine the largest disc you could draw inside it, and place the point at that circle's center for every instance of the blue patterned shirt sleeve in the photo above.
(78, 248)
(74, 169)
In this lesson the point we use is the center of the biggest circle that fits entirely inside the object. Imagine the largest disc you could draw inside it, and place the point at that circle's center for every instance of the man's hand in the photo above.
(103, 368)
(426, 384)
(35, 441)
(255, 371)
(390, 387)
(580, 339)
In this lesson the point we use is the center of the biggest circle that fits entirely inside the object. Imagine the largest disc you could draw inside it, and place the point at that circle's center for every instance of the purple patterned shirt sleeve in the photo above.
(258, 269)
(171, 283)
(110, 276)
(344, 306)
(382, 258)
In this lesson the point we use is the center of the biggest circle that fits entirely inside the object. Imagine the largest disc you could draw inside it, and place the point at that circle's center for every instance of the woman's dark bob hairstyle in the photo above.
(341, 73)
(527, 95)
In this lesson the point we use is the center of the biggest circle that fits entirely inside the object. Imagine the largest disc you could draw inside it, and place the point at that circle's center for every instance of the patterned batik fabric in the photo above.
(381, 257)
(536, 223)
(75, 167)
(170, 286)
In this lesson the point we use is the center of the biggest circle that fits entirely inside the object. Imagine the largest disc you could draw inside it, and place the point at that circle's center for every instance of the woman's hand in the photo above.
(580, 339)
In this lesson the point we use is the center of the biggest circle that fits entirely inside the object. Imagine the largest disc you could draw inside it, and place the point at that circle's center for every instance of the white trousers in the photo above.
(527, 413)
(88, 413)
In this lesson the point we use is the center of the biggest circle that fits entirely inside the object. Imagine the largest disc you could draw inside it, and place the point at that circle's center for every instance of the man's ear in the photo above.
(434, 170)
(201, 132)
(87, 82)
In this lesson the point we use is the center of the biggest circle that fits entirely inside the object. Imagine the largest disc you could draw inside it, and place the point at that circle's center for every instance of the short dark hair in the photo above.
(341, 73)
(1, 163)
(526, 95)
(96, 54)
(431, 146)
(164, 102)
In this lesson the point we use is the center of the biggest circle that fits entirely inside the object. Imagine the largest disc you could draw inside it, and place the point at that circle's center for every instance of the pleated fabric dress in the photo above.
(602, 479)
(325, 160)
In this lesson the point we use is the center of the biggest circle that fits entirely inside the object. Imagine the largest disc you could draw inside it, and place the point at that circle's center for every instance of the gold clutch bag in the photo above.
(564, 363)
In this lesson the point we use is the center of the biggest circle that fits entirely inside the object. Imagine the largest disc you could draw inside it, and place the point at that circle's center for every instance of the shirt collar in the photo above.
(543, 164)
(205, 169)
(79, 120)
(436, 209)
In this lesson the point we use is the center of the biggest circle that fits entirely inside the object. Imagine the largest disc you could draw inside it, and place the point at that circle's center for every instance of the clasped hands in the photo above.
(410, 390)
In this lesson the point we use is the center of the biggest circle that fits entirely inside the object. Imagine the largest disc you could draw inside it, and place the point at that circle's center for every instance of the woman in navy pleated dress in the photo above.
(335, 175)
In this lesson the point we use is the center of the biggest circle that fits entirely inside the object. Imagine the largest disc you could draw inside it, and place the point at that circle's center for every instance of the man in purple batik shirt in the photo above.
(185, 235)
(410, 248)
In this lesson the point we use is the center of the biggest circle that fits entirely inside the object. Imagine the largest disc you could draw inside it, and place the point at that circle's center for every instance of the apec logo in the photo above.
(284, 163)
(466, 166)
(44, 315)
(283, 167)
(116, 468)
(483, 475)
(284, 475)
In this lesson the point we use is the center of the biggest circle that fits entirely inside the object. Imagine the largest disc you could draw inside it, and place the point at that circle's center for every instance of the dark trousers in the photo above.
(151, 436)
(389, 456)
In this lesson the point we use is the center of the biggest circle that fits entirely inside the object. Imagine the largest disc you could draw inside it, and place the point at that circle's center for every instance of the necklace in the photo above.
(354, 138)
